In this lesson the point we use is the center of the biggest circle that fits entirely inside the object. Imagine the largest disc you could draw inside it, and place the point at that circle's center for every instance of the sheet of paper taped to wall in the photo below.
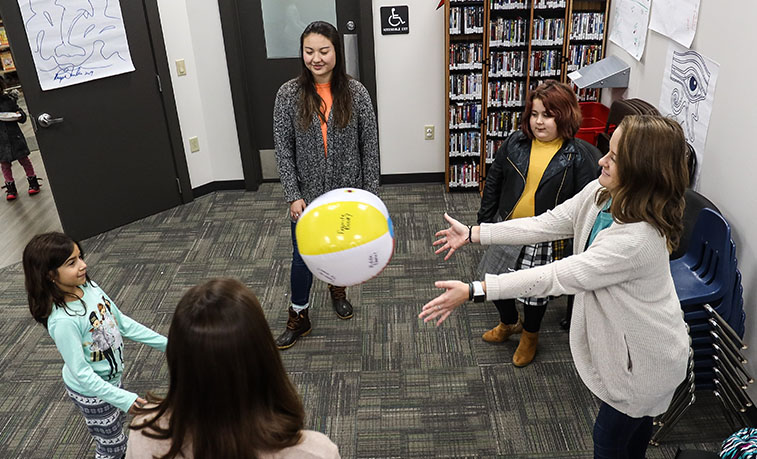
(10, 116)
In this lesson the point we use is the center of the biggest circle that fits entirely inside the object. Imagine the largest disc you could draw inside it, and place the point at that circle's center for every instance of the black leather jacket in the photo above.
(573, 166)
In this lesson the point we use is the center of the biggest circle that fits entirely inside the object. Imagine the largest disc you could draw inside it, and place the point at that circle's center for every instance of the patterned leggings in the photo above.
(105, 423)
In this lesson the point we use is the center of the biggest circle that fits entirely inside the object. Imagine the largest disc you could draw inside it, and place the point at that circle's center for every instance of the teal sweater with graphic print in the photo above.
(89, 336)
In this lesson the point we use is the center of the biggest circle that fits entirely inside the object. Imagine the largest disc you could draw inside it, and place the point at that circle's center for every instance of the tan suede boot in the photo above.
(526, 348)
(501, 332)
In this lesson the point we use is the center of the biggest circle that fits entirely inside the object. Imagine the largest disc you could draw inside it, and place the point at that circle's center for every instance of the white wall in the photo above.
(192, 31)
(410, 89)
(727, 36)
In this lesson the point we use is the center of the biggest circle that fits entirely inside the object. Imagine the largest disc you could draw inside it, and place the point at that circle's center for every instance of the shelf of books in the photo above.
(587, 40)
(497, 50)
(465, 22)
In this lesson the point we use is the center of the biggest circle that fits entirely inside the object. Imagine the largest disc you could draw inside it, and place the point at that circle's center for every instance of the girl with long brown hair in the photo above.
(627, 335)
(229, 395)
(88, 329)
(324, 131)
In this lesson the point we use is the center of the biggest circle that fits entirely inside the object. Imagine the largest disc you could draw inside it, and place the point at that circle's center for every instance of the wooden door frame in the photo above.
(239, 77)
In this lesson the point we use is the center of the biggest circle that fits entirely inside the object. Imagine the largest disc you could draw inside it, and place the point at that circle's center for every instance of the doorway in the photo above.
(260, 62)
(27, 214)
(110, 157)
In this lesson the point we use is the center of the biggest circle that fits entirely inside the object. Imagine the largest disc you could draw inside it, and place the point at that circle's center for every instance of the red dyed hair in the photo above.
(560, 102)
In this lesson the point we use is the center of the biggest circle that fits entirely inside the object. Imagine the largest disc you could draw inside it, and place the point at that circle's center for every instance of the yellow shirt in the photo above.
(541, 154)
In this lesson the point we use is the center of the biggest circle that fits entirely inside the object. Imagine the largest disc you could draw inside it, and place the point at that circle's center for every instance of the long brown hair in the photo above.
(229, 396)
(652, 175)
(560, 101)
(310, 102)
(43, 255)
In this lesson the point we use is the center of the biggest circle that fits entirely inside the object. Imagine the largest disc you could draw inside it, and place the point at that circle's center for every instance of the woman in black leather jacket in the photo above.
(535, 169)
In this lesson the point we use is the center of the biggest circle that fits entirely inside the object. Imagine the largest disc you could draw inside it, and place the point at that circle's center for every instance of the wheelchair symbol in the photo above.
(395, 20)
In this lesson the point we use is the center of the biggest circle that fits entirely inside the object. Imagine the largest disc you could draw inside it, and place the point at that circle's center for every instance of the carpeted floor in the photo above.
(382, 384)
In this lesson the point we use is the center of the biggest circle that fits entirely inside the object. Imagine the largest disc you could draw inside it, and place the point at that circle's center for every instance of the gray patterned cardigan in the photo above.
(352, 159)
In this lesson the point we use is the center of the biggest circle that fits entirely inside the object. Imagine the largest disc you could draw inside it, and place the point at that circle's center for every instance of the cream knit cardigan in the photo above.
(627, 333)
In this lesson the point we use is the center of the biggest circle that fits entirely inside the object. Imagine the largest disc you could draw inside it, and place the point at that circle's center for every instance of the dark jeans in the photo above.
(619, 436)
(301, 279)
(532, 315)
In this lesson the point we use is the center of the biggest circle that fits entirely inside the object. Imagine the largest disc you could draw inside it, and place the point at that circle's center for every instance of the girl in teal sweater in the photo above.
(87, 328)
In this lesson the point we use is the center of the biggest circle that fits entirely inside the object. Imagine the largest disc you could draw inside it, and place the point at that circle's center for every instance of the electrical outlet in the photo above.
(428, 132)
(194, 144)
(181, 67)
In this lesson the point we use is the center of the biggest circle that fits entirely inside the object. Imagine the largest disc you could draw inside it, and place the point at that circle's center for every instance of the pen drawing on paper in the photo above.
(73, 41)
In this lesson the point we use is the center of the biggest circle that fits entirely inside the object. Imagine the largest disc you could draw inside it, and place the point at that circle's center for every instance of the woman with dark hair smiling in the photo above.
(535, 169)
(627, 336)
(325, 135)
(228, 396)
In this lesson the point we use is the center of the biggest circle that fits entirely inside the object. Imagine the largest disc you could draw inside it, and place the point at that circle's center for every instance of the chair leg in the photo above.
(665, 428)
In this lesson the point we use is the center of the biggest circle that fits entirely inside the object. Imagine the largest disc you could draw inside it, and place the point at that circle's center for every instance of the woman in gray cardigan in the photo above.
(324, 131)
(627, 336)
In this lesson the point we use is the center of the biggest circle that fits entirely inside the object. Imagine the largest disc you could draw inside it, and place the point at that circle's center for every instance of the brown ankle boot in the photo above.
(341, 304)
(526, 349)
(297, 325)
(501, 332)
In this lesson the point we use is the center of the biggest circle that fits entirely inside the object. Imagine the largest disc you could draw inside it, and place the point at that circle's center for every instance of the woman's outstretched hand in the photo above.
(451, 238)
(442, 306)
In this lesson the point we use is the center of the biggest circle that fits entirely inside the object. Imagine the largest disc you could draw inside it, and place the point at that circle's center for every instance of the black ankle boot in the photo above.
(342, 306)
(10, 191)
(297, 325)
(33, 184)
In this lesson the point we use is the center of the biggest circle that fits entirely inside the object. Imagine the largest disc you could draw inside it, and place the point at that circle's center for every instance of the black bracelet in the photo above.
(470, 234)
(470, 291)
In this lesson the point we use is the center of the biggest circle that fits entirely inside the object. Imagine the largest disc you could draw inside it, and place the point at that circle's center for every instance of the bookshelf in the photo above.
(7, 64)
(497, 50)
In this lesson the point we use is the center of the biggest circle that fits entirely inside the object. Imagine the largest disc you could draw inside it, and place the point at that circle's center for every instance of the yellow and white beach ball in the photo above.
(345, 236)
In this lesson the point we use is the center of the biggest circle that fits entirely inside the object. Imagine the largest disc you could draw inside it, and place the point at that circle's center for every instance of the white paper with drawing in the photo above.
(74, 41)
(628, 28)
(688, 91)
(676, 19)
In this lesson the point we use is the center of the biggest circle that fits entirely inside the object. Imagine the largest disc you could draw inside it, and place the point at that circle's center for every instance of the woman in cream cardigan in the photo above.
(627, 335)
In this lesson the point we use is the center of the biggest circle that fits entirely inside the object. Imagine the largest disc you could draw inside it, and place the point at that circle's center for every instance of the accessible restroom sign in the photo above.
(394, 20)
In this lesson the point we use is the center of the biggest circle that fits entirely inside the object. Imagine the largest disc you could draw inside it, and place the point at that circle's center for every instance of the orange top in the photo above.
(324, 90)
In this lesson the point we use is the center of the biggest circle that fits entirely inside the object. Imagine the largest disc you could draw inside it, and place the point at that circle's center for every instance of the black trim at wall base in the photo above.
(208, 188)
(425, 177)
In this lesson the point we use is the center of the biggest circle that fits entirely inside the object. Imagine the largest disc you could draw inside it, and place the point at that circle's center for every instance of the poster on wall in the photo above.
(75, 41)
(676, 19)
(629, 26)
(688, 91)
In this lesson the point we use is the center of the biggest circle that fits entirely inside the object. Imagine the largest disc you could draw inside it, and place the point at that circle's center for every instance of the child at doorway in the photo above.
(13, 145)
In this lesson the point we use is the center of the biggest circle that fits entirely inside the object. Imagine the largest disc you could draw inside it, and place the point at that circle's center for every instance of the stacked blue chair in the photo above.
(708, 284)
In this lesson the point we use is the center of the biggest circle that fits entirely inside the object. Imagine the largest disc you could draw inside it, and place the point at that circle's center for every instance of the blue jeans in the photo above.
(619, 436)
(301, 279)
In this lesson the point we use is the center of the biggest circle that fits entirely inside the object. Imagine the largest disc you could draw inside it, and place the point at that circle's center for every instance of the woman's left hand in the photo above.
(442, 306)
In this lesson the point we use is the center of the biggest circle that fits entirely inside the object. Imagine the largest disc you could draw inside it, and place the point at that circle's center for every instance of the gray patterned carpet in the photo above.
(380, 385)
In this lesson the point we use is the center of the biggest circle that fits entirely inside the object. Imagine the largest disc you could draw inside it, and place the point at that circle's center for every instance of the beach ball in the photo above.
(345, 236)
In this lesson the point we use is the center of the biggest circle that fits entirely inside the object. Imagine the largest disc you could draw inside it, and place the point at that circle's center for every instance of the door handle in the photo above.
(45, 120)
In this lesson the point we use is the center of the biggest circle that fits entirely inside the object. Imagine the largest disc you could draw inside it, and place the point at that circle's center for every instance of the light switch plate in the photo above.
(181, 68)
(194, 144)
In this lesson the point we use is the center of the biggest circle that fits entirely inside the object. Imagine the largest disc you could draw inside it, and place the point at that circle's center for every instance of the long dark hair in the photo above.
(44, 254)
(652, 174)
(228, 396)
(310, 101)
(560, 101)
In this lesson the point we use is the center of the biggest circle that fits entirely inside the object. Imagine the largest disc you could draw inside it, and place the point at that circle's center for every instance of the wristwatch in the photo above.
(477, 294)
